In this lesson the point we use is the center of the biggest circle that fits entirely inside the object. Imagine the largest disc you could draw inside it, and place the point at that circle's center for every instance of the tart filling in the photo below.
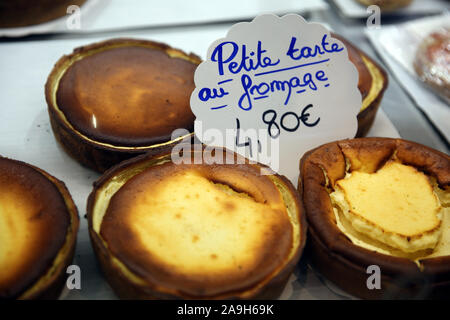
(199, 230)
(396, 210)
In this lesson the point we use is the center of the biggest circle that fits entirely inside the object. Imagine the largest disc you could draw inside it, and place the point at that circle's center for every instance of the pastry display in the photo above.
(373, 81)
(21, 13)
(113, 100)
(171, 216)
(38, 229)
(432, 62)
(382, 202)
(387, 5)
(195, 231)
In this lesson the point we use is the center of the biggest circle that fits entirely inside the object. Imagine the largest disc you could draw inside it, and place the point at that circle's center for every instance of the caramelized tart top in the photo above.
(203, 230)
(395, 205)
(33, 226)
(128, 93)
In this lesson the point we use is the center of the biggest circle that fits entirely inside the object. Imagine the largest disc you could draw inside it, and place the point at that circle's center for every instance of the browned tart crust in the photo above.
(373, 81)
(39, 224)
(112, 100)
(21, 13)
(333, 253)
(162, 230)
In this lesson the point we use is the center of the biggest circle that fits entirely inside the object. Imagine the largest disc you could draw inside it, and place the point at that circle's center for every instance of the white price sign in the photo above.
(273, 89)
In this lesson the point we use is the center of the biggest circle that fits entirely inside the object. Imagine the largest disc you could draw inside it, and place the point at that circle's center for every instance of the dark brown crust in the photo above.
(430, 161)
(367, 116)
(365, 78)
(51, 289)
(334, 255)
(25, 13)
(127, 289)
(138, 95)
(96, 156)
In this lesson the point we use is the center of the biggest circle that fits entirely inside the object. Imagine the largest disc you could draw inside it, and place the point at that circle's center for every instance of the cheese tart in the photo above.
(382, 202)
(372, 83)
(112, 100)
(38, 229)
(163, 230)
(432, 61)
(21, 13)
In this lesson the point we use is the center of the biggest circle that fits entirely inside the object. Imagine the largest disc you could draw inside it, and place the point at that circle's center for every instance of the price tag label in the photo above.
(273, 89)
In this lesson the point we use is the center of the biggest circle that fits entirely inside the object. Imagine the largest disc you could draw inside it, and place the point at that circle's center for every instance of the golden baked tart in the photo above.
(163, 230)
(373, 81)
(119, 98)
(38, 229)
(382, 202)
(387, 5)
(21, 13)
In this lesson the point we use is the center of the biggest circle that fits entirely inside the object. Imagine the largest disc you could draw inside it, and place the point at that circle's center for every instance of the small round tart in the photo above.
(195, 231)
(387, 5)
(38, 228)
(114, 99)
(372, 83)
(382, 202)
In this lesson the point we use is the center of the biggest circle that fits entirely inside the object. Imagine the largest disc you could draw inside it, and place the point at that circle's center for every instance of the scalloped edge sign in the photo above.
(275, 88)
